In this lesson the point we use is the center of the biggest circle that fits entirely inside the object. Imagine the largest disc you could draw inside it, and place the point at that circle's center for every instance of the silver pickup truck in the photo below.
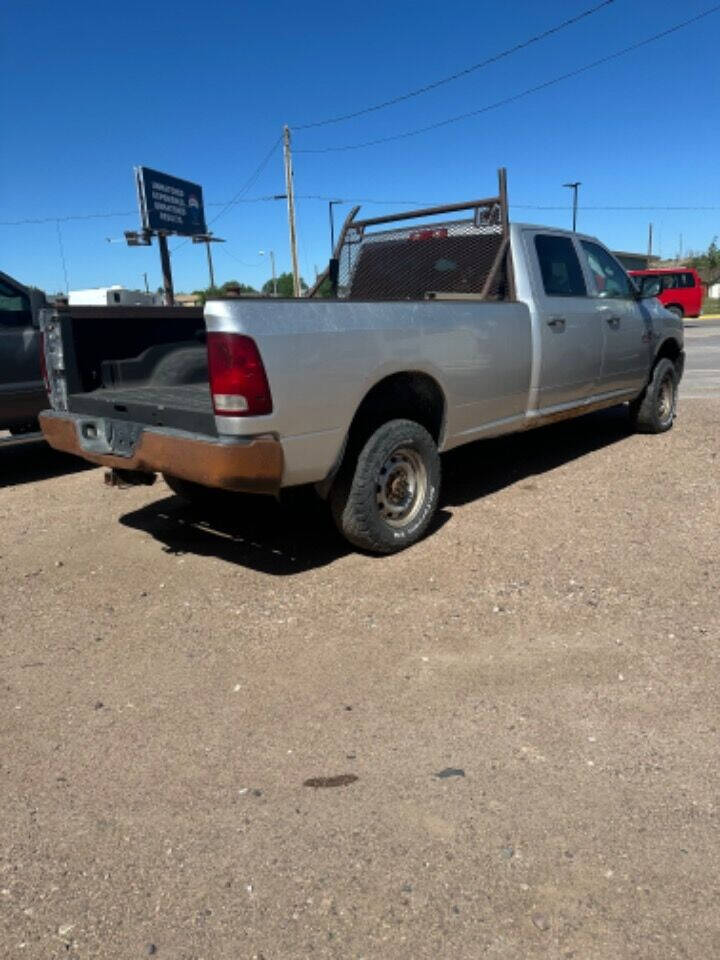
(433, 336)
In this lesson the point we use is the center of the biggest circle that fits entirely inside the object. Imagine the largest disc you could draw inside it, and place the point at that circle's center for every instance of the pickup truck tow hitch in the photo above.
(129, 478)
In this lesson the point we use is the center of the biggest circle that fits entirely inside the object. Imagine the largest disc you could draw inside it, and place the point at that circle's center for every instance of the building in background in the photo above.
(115, 296)
(635, 261)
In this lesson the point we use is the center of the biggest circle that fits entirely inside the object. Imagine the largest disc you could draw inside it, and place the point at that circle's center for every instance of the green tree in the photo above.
(234, 286)
(325, 289)
(707, 264)
(229, 288)
(284, 285)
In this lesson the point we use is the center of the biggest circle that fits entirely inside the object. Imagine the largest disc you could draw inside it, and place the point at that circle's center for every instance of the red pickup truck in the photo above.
(682, 290)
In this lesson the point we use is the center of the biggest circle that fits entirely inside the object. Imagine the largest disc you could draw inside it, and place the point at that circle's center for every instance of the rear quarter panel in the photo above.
(322, 357)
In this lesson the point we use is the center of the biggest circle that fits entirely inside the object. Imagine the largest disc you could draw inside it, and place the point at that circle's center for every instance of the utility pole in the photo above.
(207, 239)
(290, 190)
(650, 239)
(168, 294)
(147, 288)
(574, 187)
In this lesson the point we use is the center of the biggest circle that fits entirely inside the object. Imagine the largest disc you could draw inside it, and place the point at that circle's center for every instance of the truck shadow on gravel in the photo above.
(25, 460)
(290, 538)
(482, 468)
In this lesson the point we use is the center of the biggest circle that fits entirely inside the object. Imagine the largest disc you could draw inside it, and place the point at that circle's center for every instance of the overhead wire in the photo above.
(372, 200)
(460, 73)
(254, 176)
(517, 96)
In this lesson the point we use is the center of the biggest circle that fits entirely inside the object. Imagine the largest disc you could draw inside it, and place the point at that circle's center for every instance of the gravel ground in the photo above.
(520, 713)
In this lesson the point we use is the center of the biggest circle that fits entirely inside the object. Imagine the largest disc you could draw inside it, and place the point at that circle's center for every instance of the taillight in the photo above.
(43, 365)
(238, 382)
(437, 233)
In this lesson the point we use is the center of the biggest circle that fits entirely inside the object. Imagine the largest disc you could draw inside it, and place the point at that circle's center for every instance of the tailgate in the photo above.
(146, 365)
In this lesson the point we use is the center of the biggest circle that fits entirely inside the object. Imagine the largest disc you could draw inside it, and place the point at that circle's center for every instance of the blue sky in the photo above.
(201, 91)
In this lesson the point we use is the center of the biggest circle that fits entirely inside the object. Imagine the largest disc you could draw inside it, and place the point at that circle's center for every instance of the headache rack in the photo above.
(464, 258)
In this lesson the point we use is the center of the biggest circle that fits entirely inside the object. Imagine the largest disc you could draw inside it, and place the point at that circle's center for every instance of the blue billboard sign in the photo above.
(169, 204)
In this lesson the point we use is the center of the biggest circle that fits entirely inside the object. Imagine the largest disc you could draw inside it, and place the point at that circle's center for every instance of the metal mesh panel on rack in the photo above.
(385, 259)
(412, 264)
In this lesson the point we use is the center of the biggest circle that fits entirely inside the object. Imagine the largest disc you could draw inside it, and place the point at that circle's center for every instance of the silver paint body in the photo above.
(502, 367)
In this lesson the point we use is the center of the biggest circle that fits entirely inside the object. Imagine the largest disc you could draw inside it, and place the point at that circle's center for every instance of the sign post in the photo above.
(168, 207)
(169, 293)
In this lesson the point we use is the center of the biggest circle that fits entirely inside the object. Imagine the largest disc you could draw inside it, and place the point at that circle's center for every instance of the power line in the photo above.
(461, 73)
(517, 206)
(518, 96)
(325, 199)
(249, 182)
(128, 213)
(252, 179)
(238, 260)
(75, 216)
(62, 255)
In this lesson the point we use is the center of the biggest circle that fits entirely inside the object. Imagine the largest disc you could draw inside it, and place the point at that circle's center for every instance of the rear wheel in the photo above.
(389, 499)
(655, 408)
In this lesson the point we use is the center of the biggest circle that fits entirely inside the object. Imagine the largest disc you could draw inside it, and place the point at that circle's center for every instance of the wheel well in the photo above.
(408, 396)
(677, 306)
(669, 349)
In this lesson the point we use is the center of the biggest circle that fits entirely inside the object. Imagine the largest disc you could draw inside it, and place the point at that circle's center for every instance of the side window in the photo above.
(14, 306)
(609, 278)
(559, 267)
(687, 280)
(671, 281)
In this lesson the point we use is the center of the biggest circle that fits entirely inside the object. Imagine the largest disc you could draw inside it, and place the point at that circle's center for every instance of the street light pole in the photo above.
(574, 187)
(272, 266)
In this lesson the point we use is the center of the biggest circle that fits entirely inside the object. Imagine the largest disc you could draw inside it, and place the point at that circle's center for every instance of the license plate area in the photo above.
(106, 436)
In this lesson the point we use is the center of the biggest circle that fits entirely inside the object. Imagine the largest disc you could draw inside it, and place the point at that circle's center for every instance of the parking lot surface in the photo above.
(224, 735)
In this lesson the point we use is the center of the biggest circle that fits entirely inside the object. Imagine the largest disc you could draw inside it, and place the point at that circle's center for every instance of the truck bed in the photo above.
(139, 364)
(180, 406)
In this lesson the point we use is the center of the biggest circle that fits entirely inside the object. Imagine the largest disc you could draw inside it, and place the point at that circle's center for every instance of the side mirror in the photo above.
(651, 287)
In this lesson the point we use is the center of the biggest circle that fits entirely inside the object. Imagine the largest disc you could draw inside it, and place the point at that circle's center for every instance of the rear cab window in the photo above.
(14, 306)
(560, 268)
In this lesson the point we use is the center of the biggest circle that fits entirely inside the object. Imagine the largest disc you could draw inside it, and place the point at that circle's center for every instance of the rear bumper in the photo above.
(253, 466)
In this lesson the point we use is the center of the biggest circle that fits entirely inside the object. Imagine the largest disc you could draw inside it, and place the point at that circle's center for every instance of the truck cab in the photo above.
(22, 391)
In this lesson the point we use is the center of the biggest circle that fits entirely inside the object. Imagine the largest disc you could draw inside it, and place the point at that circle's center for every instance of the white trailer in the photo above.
(115, 296)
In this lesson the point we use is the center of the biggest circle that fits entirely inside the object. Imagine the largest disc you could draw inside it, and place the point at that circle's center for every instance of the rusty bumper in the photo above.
(255, 466)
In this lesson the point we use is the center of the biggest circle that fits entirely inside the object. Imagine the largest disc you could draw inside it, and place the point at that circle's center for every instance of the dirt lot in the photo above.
(528, 701)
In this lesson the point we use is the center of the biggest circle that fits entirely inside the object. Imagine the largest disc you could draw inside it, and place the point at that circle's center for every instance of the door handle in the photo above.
(556, 323)
(614, 322)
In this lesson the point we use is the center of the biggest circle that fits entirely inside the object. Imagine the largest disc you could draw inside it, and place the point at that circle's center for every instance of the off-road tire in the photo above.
(397, 469)
(654, 410)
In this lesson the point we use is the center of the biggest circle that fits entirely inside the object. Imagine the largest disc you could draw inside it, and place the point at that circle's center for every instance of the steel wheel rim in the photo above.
(401, 487)
(666, 398)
